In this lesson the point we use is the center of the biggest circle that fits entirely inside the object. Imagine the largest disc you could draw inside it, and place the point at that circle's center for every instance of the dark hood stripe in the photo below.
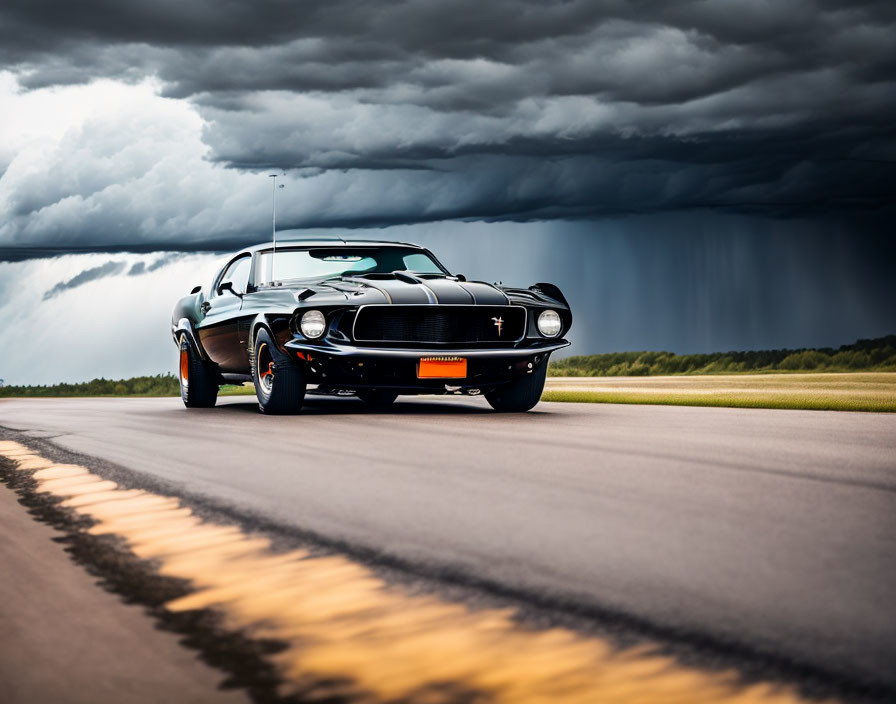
(429, 291)
(430, 294)
(347, 286)
(449, 291)
(485, 294)
(399, 291)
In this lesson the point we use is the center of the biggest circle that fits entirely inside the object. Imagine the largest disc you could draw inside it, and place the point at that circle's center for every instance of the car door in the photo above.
(219, 330)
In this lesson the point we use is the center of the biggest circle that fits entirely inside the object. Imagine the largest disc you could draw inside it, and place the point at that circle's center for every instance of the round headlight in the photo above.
(313, 324)
(549, 323)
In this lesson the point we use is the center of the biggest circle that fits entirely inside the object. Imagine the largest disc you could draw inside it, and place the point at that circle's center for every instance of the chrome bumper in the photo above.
(334, 350)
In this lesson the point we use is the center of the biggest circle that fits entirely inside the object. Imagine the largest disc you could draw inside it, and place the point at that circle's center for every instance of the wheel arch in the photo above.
(263, 320)
(258, 322)
(185, 327)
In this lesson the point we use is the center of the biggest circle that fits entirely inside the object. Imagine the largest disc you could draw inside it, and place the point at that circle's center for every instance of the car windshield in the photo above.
(318, 263)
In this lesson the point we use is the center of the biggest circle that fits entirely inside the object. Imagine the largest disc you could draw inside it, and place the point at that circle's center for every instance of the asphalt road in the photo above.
(770, 531)
(62, 639)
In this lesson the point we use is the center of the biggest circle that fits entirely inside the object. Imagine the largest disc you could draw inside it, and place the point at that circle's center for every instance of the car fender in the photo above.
(258, 322)
(552, 291)
(185, 327)
(277, 327)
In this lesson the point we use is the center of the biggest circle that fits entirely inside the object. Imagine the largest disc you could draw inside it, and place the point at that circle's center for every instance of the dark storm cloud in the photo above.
(141, 267)
(397, 112)
(206, 46)
(110, 268)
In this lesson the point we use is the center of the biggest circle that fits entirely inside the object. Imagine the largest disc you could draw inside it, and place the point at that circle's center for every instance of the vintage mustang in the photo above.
(375, 319)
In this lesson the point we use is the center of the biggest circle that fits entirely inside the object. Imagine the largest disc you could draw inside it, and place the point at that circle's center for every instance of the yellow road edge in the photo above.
(349, 633)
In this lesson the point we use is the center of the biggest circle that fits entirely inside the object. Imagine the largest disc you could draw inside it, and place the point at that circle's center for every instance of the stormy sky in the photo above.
(698, 175)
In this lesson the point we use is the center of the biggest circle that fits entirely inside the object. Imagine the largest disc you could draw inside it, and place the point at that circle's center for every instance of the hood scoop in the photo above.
(406, 277)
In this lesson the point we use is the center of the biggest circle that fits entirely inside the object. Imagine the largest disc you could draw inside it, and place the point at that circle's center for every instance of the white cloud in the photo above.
(115, 327)
(117, 166)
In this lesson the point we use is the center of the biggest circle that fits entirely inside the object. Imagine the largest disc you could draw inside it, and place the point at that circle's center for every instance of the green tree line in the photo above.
(865, 355)
(158, 385)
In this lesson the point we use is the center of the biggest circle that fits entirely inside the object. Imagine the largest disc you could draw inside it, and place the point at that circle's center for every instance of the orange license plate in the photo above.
(442, 368)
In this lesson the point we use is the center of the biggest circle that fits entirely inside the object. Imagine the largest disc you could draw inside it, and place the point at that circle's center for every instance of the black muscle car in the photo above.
(375, 319)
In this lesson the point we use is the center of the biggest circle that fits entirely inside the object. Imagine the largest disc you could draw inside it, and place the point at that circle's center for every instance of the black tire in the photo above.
(521, 394)
(378, 398)
(198, 383)
(279, 384)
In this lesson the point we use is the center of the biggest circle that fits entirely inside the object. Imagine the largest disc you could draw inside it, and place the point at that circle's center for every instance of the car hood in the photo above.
(362, 290)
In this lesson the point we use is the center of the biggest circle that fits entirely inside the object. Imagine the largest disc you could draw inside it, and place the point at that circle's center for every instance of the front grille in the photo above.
(446, 324)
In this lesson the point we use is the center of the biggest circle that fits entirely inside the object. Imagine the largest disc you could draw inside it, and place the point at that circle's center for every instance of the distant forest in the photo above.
(159, 385)
(863, 356)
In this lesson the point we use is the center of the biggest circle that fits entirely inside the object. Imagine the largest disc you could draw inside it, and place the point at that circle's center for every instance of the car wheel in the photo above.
(378, 398)
(198, 385)
(279, 384)
(521, 394)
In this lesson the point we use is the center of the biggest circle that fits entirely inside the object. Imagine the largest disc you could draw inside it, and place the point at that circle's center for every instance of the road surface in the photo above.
(771, 533)
(80, 662)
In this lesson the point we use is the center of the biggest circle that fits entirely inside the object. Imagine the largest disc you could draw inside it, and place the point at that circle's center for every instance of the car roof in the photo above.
(335, 243)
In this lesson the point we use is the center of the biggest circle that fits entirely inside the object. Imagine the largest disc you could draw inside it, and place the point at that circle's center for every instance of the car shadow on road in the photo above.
(325, 405)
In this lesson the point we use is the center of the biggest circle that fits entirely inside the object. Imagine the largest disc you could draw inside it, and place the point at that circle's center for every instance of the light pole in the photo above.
(273, 222)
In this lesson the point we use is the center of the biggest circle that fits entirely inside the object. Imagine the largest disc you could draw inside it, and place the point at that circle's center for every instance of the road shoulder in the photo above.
(62, 638)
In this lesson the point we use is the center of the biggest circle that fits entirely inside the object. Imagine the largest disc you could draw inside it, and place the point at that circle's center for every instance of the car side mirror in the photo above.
(196, 289)
(228, 286)
(460, 277)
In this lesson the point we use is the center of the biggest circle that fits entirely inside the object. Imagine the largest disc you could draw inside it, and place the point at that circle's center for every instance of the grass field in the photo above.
(848, 391)
(856, 391)
(234, 390)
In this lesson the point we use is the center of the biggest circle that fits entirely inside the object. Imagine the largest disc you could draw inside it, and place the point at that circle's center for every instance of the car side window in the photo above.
(421, 264)
(238, 274)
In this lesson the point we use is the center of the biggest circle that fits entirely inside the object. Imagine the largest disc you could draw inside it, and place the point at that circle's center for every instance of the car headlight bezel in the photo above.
(549, 323)
(313, 324)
